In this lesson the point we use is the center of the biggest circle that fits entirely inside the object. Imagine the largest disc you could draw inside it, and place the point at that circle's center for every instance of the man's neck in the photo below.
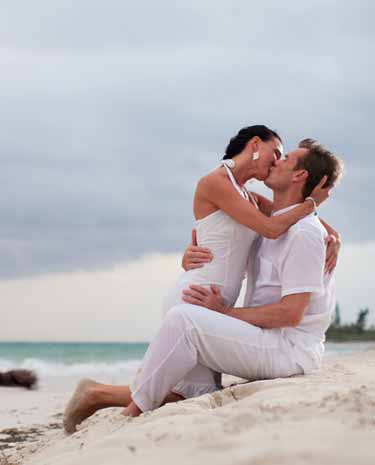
(285, 199)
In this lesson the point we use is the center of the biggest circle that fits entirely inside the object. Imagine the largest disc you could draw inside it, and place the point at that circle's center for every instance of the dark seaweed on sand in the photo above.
(21, 378)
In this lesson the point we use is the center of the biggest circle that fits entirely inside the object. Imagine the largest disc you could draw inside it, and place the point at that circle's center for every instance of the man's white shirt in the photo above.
(292, 264)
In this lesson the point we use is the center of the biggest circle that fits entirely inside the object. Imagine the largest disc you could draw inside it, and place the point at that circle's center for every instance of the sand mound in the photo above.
(324, 418)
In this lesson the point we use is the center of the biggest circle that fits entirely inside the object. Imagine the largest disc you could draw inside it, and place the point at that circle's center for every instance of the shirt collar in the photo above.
(286, 209)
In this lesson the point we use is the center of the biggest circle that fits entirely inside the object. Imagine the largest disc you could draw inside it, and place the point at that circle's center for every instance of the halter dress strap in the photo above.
(252, 199)
(243, 192)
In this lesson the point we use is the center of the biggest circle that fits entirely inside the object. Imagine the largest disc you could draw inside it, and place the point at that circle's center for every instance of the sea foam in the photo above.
(50, 368)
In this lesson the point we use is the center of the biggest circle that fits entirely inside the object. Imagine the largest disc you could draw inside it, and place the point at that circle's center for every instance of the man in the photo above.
(291, 290)
(279, 332)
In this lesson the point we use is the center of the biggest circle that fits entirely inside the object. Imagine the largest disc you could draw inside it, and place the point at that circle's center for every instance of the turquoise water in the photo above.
(51, 359)
(72, 359)
(72, 352)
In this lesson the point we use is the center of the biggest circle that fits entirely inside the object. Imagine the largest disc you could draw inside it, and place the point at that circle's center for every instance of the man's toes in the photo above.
(70, 426)
(80, 405)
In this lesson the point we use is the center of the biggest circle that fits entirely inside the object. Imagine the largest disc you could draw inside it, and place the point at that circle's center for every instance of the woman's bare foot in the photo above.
(132, 410)
(81, 405)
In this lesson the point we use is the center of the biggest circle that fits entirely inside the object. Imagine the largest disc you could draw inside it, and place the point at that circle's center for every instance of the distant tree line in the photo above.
(351, 332)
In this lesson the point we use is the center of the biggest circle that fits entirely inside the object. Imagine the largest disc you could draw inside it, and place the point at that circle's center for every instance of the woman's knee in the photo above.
(182, 316)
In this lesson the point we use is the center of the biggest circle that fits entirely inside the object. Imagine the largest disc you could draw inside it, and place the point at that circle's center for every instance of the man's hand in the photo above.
(209, 298)
(333, 243)
(194, 256)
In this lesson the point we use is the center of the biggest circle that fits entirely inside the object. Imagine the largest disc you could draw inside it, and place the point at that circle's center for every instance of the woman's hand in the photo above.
(333, 248)
(194, 256)
(209, 298)
(320, 193)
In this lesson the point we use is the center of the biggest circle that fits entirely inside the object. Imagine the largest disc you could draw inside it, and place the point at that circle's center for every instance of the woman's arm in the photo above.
(333, 242)
(329, 229)
(220, 193)
(266, 206)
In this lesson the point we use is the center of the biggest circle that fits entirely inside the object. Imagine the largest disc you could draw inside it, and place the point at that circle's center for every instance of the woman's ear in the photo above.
(254, 143)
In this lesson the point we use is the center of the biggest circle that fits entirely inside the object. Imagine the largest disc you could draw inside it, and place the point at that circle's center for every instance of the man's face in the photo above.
(282, 173)
(269, 153)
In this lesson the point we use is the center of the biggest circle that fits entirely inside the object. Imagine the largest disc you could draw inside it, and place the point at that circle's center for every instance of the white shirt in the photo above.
(292, 264)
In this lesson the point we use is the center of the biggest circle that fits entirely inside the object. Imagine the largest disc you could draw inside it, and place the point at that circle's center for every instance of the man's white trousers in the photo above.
(193, 343)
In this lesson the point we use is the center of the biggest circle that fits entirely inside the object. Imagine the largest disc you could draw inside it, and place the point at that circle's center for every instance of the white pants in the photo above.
(191, 336)
(199, 380)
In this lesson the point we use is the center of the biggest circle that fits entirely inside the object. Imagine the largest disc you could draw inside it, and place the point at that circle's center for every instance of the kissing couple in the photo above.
(288, 255)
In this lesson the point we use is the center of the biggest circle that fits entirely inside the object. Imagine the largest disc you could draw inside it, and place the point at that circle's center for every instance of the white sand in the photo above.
(324, 418)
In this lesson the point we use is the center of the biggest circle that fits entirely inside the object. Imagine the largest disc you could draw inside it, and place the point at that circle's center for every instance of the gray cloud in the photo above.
(109, 116)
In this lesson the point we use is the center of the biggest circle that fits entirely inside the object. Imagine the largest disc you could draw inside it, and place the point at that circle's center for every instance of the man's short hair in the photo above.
(318, 162)
(307, 143)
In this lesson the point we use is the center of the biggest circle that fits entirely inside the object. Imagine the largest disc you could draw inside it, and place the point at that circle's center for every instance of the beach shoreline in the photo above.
(316, 418)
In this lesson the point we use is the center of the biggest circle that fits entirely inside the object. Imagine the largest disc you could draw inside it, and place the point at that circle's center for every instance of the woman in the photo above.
(228, 221)
(229, 218)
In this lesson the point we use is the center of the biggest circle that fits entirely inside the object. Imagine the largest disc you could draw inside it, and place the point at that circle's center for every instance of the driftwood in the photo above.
(21, 378)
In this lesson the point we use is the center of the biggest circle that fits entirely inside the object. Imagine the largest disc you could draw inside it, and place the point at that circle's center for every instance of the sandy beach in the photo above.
(327, 417)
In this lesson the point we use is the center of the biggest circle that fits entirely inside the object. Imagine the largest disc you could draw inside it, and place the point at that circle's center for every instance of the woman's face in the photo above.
(269, 153)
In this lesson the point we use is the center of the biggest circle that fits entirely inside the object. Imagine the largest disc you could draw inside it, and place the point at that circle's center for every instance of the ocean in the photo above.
(120, 360)
(50, 359)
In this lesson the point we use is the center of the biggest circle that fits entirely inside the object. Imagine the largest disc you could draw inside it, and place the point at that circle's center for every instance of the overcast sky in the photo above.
(111, 111)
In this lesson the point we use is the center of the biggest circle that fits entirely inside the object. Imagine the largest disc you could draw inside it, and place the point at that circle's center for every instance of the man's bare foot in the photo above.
(81, 405)
(132, 410)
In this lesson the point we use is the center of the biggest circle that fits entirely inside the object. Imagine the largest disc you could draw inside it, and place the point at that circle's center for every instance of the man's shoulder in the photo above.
(303, 239)
(309, 225)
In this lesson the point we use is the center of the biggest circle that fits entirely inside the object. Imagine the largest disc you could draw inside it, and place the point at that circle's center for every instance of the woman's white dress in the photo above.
(230, 244)
(232, 247)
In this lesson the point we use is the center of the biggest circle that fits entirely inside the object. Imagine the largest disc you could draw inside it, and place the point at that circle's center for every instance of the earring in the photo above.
(256, 155)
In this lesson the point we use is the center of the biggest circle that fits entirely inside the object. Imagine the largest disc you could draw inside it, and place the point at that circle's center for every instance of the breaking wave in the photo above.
(49, 368)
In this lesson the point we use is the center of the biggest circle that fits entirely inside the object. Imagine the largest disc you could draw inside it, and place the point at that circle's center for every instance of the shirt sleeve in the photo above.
(302, 267)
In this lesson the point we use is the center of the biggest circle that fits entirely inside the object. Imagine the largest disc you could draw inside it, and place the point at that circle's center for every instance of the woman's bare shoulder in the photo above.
(215, 177)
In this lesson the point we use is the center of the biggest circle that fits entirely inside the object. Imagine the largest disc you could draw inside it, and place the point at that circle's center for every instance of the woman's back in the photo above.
(230, 244)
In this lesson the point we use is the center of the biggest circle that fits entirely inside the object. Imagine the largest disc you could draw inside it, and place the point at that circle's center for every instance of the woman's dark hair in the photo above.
(238, 142)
